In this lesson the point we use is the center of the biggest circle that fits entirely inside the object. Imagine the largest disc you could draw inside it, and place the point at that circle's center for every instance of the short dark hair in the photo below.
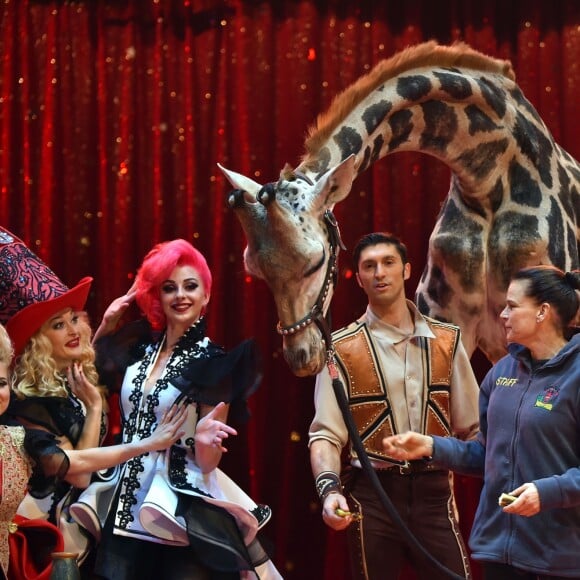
(374, 239)
(557, 288)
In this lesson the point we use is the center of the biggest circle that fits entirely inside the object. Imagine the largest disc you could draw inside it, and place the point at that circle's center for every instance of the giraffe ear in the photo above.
(335, 185)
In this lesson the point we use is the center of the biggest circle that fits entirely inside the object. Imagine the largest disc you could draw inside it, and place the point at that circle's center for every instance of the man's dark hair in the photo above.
(375, 238)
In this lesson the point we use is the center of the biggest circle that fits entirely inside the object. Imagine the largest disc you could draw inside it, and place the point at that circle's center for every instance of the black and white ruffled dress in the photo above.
(163, 497)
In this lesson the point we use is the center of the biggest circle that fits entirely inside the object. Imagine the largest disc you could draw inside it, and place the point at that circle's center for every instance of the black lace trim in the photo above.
(188, 347)
(177, 467)
(177, 472)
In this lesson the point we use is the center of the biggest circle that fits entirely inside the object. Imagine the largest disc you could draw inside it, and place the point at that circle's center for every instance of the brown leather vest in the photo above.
(367, 389)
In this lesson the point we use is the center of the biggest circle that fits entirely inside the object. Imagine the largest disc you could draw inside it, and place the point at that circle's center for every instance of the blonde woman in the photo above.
(33, 461)
(55, 377)
(55, 382)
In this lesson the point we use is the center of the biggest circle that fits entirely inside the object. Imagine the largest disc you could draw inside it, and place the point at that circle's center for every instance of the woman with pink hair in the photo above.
(175, 514)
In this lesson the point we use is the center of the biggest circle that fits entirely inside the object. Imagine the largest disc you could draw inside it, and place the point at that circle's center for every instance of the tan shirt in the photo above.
(401, 363)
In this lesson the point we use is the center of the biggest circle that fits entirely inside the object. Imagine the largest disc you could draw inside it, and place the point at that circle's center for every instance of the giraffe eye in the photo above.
(316, 266)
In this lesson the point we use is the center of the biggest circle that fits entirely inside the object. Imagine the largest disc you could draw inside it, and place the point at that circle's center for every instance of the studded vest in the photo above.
(367, 387)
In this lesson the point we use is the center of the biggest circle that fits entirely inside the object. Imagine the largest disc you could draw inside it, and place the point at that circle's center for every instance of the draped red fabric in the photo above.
(113, 115)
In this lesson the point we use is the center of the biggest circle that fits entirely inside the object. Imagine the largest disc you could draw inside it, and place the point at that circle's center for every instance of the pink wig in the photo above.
(157, 267)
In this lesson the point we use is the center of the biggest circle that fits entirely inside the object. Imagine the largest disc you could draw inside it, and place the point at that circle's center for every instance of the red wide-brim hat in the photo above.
(30, 292)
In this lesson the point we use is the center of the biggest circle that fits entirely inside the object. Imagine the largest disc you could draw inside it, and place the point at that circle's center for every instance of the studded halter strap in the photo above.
(316, 313)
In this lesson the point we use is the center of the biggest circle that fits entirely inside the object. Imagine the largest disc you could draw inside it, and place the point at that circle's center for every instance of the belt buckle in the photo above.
(406, 468)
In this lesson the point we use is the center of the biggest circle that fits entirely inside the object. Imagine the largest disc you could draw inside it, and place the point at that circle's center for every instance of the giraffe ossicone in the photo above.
(514, 198)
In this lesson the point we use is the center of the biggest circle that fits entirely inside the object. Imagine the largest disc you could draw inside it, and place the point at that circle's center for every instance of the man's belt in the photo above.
(411, 467)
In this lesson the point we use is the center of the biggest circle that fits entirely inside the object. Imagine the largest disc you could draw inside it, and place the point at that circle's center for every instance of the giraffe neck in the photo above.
(476, 122)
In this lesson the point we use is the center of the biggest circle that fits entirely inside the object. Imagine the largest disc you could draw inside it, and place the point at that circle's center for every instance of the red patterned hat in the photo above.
(30, 292)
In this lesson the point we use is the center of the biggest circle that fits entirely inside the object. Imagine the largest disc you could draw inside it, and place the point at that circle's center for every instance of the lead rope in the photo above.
(370, 472)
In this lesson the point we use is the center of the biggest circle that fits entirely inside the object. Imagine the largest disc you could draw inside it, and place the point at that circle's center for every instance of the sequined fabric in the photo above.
(15, 471)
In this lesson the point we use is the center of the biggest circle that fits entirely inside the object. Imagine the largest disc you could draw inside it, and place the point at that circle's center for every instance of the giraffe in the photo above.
(513, 201)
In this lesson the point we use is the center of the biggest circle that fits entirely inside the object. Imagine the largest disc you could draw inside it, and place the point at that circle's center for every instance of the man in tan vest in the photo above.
(401, 371)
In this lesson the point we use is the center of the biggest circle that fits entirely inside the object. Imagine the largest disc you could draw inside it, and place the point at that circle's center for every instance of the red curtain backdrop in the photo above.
(113, 115)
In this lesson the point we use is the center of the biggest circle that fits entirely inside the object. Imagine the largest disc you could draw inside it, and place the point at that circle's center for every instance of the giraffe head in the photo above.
(289, 246)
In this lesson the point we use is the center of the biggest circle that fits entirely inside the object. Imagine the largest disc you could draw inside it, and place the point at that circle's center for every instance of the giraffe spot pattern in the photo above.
(496, 195)
(571, 164)
(565, 195)
(438, 289)
(371, 155)
(401, 127)
(440, 125)
(297, 199)
(420, 300)
(378, 144)
(522, 102)
(348, 141)
(374, 115)
(293, 195)
(556, 227)
(523, 189)
(535, 146)
(482, 159)
(478, 120)
(413, 87)
(475, 206)
(514, 236)
(575, 197)
(365, 161)
(493, 95)
(454, 85)
(320, 163)
(572, 245)
(461, 245)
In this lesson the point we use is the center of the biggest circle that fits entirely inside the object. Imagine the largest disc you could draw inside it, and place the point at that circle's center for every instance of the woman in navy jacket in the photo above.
(529, 440)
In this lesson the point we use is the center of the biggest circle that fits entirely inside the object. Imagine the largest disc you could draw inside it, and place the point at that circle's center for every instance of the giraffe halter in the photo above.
(316, 313)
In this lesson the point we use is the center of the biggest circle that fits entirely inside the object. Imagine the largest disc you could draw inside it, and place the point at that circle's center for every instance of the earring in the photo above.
(539, 318)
